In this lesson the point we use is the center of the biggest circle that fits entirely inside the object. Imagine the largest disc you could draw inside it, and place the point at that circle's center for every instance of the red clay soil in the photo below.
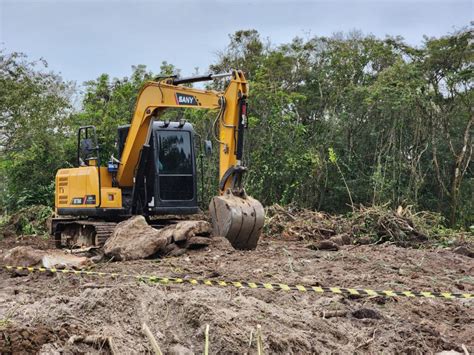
(40, 312)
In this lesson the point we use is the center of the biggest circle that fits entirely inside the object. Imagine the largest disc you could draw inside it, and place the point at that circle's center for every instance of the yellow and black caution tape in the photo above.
(251, 285)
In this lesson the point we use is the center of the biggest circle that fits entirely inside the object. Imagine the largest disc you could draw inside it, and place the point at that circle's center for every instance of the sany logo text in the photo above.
(185, 99)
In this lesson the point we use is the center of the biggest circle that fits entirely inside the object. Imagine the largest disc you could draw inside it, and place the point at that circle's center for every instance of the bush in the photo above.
(31, 220)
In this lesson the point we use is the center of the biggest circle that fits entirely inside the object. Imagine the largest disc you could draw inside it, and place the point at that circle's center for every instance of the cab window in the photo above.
(174, 155)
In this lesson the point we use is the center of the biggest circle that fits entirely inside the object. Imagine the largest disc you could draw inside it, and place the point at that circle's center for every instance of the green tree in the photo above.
(109, 103)
(399, 117)
(34, 106)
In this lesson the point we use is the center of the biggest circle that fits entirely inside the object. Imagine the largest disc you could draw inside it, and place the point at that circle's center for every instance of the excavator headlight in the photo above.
(182, 122)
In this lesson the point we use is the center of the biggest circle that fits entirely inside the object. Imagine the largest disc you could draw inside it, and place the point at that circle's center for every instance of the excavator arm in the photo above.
(235, 215)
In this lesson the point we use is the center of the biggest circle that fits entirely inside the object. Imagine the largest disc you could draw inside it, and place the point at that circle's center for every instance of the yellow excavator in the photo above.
(155, 171)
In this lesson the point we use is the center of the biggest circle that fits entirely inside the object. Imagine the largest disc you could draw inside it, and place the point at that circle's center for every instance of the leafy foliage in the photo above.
(32, 220)
(34, 106)
(398, 117)
(334, 122)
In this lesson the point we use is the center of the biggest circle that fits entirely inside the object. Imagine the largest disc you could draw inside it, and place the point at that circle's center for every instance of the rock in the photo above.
(179, 237)
(179, 349)
(463, 250)
(197, 242)
(182, 231)
(23, 256)
(57, 259)
(134, 239)
(27, 256)
(364, 313)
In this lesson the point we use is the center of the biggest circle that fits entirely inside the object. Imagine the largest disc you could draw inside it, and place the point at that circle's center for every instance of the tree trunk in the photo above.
(461, 164)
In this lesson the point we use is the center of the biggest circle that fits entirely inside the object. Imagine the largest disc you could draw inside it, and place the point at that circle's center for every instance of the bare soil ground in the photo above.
(43, 313)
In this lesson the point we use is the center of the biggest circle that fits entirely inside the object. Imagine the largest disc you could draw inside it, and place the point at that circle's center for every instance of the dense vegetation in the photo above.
(335, 122)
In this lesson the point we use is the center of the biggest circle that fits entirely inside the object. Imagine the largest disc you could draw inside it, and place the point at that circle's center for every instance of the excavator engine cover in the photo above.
(239, 219)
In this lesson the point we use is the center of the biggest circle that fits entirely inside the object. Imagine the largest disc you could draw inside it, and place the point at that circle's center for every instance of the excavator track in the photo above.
(77, 233)
(74, 233)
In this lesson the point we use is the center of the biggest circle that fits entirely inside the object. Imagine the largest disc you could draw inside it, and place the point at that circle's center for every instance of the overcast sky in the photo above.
(82, 39)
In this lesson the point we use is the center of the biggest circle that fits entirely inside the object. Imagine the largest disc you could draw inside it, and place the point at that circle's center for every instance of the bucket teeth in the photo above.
(238, 219)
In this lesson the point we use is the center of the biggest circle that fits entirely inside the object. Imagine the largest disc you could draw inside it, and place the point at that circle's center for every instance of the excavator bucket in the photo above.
(239, 219)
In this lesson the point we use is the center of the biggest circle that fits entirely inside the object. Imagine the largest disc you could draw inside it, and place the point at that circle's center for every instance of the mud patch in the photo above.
(291, 322)
(27, 340)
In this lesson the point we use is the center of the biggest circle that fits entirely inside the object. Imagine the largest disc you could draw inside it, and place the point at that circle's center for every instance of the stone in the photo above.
(184, 230)
(23, 256)
(134, 239)
(97, 258)
(27, 256)
(57, 259)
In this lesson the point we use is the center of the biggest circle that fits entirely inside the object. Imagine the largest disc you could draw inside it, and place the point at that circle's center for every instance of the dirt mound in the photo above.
(23, 256)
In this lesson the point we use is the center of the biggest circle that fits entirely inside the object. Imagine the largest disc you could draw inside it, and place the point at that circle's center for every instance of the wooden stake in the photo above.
(206, 344)
(152, 339)
(112, 346)
(259, 340)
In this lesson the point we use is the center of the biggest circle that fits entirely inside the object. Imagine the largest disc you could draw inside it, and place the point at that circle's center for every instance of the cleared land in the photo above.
(78, 314)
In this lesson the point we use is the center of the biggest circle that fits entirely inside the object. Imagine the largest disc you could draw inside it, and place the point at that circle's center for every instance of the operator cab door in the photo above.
(175, 186)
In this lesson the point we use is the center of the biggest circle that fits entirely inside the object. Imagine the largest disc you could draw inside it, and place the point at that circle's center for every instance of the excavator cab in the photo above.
(87, 146)
(168, 184)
